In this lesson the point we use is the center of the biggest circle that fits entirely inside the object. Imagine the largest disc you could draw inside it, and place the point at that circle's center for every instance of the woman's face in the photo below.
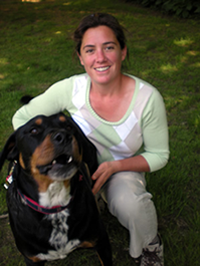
(101, 55)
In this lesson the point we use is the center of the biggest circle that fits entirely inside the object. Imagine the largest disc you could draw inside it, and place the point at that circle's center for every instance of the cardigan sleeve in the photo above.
(155, 133)
(50, 102)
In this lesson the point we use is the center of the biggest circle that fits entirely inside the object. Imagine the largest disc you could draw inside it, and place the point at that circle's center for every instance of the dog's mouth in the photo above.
(60, 167)
(62, 160)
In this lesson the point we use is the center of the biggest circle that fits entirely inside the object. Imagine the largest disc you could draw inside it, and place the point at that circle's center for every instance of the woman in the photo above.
(125, 118)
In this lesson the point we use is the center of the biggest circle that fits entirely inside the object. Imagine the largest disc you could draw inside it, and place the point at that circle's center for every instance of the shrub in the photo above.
(182, 8)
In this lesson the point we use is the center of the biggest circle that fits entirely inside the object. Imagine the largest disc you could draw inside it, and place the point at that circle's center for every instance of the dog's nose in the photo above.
(60, 137)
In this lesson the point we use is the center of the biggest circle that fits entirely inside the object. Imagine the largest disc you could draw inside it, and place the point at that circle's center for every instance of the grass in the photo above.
(36, 50)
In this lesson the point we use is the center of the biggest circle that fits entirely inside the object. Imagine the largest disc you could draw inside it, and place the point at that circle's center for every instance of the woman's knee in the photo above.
(128, 203)
(131, 210)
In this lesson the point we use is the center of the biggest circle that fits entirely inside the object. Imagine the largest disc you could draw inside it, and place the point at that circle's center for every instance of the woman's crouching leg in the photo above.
(129, 201)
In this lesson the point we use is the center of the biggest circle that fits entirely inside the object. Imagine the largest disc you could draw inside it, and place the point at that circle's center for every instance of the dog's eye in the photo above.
(34, 131)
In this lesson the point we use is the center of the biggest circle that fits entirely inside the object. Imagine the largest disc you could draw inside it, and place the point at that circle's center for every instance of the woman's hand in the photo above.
(106, 169)
(103, 172)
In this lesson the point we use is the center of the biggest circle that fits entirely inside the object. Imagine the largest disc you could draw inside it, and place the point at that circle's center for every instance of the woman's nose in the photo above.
(100, 56)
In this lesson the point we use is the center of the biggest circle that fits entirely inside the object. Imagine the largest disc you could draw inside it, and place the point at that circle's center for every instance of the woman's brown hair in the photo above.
(95, 20)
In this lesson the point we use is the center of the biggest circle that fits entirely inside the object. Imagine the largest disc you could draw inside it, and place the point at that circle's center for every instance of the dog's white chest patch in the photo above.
(59, 238)
(57, 194)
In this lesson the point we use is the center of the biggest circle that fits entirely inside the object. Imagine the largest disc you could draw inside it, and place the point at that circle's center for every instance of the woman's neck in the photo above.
(112, 102)
(108, 90)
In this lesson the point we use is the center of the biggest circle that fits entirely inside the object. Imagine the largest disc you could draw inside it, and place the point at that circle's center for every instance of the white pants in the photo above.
(128, 200)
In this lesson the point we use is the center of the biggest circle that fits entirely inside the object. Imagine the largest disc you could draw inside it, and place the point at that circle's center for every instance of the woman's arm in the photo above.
(52, 101)
(156, 146)
(155, 133)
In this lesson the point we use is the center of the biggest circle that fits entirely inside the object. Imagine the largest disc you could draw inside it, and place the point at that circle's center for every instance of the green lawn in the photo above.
(36, 50)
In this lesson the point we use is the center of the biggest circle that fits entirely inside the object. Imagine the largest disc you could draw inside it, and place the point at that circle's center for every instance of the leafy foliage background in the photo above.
(182, 8)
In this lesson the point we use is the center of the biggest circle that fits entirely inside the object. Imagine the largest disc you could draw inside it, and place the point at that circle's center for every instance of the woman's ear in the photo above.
(80, 58)
(124, 53)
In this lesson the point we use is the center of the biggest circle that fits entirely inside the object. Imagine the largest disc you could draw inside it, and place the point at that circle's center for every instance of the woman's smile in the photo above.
(102, 69)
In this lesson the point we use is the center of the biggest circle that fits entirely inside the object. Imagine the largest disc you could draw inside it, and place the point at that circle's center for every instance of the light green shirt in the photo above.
(142, 130)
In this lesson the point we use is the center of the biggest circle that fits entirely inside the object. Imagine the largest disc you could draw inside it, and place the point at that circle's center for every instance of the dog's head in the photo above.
(46, 148)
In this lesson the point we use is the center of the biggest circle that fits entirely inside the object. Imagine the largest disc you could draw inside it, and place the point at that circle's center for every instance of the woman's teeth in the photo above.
(102, 68)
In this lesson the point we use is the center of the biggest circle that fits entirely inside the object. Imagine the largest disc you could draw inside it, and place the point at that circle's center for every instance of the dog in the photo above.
(51, 206)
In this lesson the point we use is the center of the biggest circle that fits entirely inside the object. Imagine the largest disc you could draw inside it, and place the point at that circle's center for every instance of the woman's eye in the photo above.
(109, 48)
(89, 51)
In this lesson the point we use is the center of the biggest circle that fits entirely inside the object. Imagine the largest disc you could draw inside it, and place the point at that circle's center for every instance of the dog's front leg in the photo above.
(103, 249)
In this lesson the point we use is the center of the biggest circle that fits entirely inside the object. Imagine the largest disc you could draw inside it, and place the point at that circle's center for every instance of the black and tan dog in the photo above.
(51, 206)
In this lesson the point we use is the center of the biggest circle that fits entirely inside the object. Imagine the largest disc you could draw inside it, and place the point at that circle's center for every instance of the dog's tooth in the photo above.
(70, 159)
(54, 162)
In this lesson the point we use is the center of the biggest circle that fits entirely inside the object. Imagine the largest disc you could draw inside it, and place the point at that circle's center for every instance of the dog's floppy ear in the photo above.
(89, 150)
(10, 151)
